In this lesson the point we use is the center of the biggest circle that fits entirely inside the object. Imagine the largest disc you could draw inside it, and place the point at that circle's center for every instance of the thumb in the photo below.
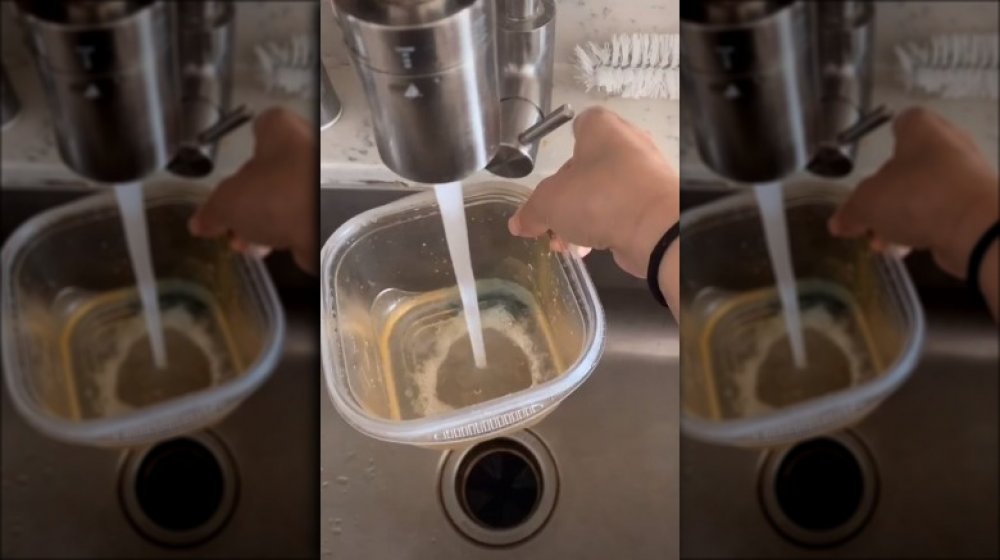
(211, 218)
(851, 219)
(533, 218)
(841, 224)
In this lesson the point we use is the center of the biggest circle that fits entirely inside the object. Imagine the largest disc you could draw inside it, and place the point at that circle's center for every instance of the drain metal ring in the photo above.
(832, 449)
(144, 466)
(536, 481)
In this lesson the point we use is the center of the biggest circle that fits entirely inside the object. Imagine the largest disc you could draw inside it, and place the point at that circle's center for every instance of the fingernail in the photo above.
(238, 245)
(514, 225)
(833, 224)
(259, 251)
(194, 225)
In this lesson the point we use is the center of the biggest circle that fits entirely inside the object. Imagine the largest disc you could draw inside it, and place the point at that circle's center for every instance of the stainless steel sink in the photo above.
(611, 448)
(67, 501)
(932, 446)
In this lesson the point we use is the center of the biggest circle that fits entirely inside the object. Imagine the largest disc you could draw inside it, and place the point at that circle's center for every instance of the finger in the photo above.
(259, 251)
(274, 129)
(199, 227)
(899, 251)
(585, 118)
(910, 118)
(591, 131)
(238, 244)
(878, 244)
(534, 217)
(210, 219)
(844, 224)
(854, 217)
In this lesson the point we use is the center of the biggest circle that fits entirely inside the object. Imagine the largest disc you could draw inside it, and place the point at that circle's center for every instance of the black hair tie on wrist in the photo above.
(978, 254)
(656, 259)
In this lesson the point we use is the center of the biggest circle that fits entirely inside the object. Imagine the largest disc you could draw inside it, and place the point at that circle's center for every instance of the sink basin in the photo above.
(67, 501)
(928, 454)
(604, 463)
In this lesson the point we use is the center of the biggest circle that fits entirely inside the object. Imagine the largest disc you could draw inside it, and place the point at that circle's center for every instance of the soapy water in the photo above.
(772, 214)
(133, 213)
(748, 365)
(128, 378)
(452, 204)
(441, 383)
(427, 363)
(763, 385)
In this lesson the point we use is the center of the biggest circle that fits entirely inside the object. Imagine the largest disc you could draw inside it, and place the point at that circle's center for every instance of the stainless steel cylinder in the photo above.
(844, 33)
(205, 38)
(329, 104)
(111, 81)
(525, 50)
(429, 71)
(10, 105)
(749, 84)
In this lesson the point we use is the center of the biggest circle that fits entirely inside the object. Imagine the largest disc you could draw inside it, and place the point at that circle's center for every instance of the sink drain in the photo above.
(820, 492)
(179, 492)
(500, 492)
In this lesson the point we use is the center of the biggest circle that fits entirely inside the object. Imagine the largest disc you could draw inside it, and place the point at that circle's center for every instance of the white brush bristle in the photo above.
(634, 66)
(952, 66)
(288, 66)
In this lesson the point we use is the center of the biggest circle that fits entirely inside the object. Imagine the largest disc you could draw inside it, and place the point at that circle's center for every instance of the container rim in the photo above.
(824, 410)
(164, 412)
(427, 431)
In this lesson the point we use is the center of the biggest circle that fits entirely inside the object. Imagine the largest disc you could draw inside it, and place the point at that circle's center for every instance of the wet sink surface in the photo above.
(614, 442)
(62, 500)
(934, 444)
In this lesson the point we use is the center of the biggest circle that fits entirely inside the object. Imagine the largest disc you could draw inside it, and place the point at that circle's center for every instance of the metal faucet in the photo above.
(455, 87)
(10, 106)
(135, 86)
(773, 87)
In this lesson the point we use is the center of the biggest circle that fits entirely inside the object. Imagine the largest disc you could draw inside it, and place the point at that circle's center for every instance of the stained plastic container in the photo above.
(864, 324)
(392, 321)
(76, 360)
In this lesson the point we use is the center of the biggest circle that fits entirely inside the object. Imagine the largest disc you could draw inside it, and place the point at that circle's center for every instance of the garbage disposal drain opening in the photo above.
(499, 485)
(820, 492)
(179, 492)
(500, 492)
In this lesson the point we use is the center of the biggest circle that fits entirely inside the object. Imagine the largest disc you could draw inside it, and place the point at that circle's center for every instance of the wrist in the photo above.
(655, 218)
(954, 252)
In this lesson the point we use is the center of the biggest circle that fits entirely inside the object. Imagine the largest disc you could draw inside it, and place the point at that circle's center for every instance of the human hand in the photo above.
(936, 192)
(270, 201)
(616, 192)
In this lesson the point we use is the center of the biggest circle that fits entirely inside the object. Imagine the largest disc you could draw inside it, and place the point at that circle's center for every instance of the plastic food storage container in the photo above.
(863, 324)
(75, 352)
(395, 346)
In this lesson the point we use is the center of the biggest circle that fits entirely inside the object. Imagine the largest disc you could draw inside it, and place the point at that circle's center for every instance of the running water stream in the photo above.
(772, 215)
(452, 204)
(133, 213)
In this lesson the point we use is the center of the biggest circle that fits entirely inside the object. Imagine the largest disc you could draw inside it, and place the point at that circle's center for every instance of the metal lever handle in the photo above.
(226, 124)
(866, 124)
(195, 159)
(836, 158)
(547, 125)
